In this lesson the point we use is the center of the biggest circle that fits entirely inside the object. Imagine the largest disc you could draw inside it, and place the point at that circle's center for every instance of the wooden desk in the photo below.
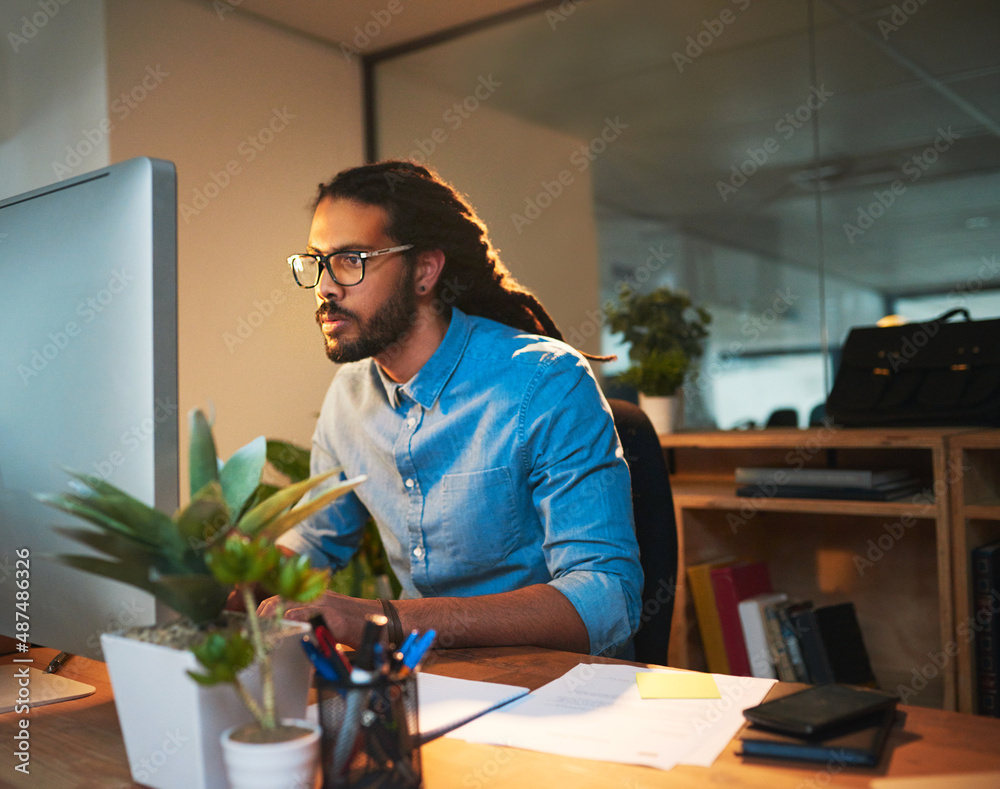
(78, 743)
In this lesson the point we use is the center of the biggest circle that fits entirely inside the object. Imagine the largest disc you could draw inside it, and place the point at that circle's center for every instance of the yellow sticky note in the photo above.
(676, 685)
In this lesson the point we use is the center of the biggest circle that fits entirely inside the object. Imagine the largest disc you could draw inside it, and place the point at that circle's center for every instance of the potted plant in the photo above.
(665, 332)
(270, 750)
(172, 724)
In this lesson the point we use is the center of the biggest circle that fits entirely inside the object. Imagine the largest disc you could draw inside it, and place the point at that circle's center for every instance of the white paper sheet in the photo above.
(594, 711)
(446, 702)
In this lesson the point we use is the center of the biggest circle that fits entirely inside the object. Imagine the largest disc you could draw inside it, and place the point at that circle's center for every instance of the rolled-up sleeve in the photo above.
(330, 537)
(582, 494)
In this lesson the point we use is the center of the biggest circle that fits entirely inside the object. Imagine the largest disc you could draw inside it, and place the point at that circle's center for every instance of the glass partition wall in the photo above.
(797, 167)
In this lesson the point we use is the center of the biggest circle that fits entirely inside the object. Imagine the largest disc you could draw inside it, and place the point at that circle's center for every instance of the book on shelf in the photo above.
(820, 477)
(703, 596)
(986, 615)
(790, 638)
(733, 583)
(760, 643)
(833, 647)
(858, 744)
(900, 490)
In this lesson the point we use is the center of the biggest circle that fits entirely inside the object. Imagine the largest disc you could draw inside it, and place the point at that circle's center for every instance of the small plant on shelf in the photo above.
(665, 332)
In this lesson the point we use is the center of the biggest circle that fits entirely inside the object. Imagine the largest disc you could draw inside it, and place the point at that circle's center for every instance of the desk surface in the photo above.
(78, 743)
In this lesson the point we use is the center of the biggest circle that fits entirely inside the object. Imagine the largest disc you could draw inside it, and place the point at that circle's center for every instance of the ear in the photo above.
(429, 266)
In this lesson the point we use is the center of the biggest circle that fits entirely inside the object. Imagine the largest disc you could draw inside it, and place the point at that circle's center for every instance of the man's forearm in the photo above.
(537, 615)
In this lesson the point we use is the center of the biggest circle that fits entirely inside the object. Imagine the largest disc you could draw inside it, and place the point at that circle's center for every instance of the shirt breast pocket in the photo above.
(480, 520)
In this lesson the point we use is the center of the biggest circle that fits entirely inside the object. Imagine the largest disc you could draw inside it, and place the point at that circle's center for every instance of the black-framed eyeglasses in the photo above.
(345, 268)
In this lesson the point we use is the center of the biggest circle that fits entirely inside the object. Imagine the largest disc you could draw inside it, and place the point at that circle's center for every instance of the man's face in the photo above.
(366, 319)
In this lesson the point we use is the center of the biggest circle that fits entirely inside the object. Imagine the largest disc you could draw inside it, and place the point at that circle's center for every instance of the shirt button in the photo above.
(409, 483)
(418, 552)
(411, 422)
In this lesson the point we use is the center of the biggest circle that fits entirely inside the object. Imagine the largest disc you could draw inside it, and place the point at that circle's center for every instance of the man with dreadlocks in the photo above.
(495, 475)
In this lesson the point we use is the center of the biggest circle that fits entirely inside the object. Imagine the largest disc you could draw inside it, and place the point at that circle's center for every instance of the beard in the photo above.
(376, 335)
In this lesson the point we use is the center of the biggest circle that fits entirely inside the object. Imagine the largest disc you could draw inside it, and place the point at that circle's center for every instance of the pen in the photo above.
(57, 662)
(325, 668)
(416, 653)
(357, 698)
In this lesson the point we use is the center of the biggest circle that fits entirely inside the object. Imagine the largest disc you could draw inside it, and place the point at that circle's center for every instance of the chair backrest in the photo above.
(655, 528)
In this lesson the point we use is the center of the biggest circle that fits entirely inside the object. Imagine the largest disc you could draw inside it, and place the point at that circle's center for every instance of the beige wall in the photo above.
(53, 99)
(254, 118)
(500, 162)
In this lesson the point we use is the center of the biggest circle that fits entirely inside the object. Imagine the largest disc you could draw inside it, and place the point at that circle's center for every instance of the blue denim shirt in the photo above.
(496, 467)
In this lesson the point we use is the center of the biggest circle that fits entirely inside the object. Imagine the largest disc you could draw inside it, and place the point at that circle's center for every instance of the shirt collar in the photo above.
(426, 386)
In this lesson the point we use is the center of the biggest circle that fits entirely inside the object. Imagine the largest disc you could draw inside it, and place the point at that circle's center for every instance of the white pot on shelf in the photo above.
(263, 765)
(666, 413)
(172, 725)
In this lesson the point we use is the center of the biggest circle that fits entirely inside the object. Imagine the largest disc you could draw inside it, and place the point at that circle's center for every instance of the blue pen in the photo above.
(417, 652)
(323, 666)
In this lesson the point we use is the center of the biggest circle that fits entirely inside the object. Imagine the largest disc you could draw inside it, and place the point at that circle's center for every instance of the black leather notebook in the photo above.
(857, 745)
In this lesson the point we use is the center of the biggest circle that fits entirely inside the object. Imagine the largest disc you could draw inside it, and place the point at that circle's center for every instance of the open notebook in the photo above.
(41, 688)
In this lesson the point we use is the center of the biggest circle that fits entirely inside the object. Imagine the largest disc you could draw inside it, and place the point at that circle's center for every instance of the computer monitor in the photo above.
(88, 382)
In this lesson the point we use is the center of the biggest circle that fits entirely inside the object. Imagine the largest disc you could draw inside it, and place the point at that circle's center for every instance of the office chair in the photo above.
(655, 529)
(783, 417)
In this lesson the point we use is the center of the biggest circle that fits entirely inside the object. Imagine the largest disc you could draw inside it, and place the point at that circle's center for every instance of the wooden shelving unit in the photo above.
(974, 474)
(894, 560)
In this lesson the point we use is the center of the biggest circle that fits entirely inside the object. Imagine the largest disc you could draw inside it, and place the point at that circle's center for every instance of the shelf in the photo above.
(828, 550)
(721, 495)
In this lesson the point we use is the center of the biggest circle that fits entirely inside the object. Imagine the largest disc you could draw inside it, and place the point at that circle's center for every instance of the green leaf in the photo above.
(241, 473)
(224, 656)
(204, 519)
(74, 505)
(112, 543)
(199, 597)
(203, 459)
(131, 574)
(289, 459)
(294, 579)
(146, 522)
(241, 561)
(284, 522)
(264, 513)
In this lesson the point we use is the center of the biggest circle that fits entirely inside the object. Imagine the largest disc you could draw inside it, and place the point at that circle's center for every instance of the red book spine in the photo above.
(733, 583)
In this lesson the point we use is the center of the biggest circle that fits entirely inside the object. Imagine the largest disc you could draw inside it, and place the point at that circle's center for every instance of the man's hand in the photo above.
(345, 616)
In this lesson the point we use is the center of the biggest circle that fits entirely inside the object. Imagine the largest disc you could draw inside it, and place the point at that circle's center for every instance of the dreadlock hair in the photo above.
(426, 211)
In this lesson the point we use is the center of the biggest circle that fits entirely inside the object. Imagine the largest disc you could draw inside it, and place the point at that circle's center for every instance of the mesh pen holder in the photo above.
(370, 733)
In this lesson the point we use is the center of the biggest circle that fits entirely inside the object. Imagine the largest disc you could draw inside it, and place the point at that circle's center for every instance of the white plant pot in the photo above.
(292, 763)
(666, 413)
(172, 725)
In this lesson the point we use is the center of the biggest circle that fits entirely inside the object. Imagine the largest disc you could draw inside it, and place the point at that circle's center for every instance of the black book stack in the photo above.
(986, 605)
